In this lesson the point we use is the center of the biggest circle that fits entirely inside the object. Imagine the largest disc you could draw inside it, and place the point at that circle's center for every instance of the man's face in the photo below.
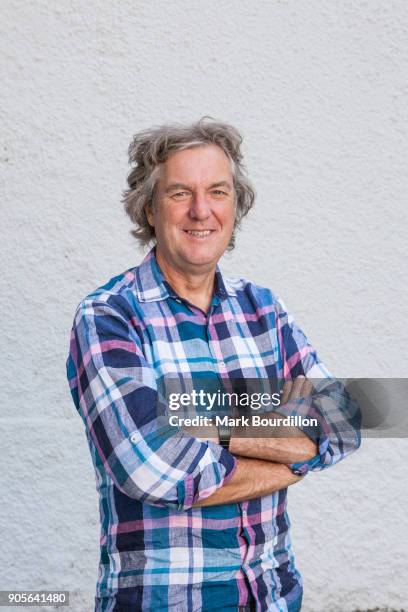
(194, 209)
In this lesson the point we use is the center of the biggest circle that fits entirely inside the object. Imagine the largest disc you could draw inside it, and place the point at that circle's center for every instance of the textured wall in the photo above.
(319, 90)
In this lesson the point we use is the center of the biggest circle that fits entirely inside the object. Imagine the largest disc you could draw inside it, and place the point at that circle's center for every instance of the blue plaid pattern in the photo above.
(158, 552)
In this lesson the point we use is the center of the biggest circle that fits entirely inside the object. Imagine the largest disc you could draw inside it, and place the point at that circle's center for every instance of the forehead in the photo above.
(203, 162)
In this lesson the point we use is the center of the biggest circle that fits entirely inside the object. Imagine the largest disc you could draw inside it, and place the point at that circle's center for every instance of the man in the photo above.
(189, 523)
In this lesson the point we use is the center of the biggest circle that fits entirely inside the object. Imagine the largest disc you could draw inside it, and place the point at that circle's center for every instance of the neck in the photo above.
(197, 287)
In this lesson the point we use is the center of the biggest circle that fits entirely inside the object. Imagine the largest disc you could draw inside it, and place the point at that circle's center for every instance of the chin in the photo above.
(195, 258)
(201, 261)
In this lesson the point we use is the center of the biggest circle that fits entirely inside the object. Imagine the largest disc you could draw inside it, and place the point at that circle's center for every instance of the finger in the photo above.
(297, 387)
(307, 388)
(286, 391)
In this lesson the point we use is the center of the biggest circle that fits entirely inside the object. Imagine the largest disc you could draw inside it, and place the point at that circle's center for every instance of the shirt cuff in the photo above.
(217, 473)
(306, 410)
(301, 468)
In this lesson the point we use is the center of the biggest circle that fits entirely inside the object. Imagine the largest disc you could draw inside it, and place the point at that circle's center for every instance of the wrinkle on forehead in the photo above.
(199, 166)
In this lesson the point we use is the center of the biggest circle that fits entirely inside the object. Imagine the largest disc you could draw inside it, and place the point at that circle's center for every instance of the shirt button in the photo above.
(244, 513)
(134, 438)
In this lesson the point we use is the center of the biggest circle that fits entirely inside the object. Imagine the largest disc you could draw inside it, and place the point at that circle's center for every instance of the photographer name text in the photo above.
(254, 420)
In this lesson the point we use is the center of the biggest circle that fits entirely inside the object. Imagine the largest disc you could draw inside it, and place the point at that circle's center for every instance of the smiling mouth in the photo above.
(199, 233)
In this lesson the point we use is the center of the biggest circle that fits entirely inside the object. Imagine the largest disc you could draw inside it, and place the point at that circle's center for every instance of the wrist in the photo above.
(224, 436)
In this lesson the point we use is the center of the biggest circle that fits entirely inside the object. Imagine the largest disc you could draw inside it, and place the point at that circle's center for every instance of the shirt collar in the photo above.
(151, 285)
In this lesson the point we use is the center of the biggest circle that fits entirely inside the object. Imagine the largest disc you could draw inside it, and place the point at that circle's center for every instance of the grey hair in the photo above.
(152, 147)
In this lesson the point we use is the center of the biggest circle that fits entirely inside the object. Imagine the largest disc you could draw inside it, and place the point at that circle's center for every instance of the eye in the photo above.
(180, 194)
(218, 192)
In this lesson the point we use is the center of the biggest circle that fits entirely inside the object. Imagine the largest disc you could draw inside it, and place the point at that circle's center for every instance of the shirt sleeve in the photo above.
(338, 417)
(115, 392)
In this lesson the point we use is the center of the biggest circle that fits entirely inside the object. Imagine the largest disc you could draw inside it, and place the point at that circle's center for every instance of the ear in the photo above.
(149, 214)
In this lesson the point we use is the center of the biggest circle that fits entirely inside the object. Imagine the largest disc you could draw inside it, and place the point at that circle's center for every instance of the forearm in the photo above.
(283, 445)
(253, 478)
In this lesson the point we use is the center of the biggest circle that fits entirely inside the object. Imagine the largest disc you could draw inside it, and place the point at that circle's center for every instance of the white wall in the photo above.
(319, 90)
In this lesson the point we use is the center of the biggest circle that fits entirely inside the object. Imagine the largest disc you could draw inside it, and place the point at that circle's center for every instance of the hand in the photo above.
(207, 433)
(293, 389)
(284, 444)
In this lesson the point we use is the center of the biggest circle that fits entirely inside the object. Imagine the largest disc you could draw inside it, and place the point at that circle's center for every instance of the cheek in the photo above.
(173, 217)
(230, 219)
(166, 220)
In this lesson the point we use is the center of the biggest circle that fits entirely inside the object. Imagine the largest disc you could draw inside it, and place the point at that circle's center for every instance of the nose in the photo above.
(200, 207)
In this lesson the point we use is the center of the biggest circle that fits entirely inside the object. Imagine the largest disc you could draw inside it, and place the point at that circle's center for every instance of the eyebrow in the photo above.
(183, 186)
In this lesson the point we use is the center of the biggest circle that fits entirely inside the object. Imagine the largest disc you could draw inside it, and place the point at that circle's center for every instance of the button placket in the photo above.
(244, 512)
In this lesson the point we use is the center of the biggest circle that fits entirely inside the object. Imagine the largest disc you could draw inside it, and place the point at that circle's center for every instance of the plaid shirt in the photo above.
(158, 552)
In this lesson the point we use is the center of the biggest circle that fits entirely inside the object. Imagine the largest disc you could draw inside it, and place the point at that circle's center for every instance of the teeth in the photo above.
(197, 233)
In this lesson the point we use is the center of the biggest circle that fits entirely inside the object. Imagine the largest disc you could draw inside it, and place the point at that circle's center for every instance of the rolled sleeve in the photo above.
(337, 433)
(215, 475)
(114, 390)
(179, 471)
(329, 416)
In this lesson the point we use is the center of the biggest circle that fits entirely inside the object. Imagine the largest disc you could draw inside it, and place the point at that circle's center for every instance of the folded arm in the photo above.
(284, 444)
(114, 390)
(253, 478)
(338, 417)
